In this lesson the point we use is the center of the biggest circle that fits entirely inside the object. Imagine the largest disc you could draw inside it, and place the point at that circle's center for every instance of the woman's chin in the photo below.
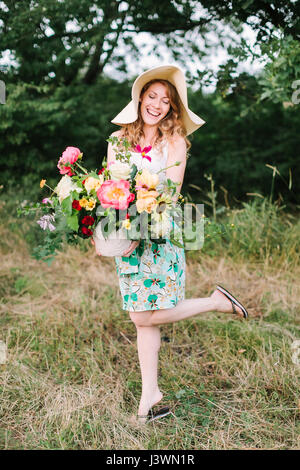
(151, 122)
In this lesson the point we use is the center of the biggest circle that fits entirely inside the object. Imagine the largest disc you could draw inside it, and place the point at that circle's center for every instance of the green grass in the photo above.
(72, 380)
(261, 232)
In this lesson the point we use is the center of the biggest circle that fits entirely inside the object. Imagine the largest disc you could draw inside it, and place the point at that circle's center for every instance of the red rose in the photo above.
(87, 231)
(76, 205)
(101, 171)
(88, 220)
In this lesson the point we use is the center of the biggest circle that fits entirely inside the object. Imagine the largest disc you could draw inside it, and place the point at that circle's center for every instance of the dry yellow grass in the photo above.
(71, 380)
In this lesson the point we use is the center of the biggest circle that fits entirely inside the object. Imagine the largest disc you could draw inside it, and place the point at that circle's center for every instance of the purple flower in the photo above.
(45, 222)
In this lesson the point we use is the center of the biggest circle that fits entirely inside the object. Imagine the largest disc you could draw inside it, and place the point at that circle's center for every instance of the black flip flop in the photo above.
(153, 415)
(233, 301)
(161, 413)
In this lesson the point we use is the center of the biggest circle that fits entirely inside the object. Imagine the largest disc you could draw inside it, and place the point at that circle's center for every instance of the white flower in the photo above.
(161, 224)
(45, 222)
(119, 171)
(64, 188)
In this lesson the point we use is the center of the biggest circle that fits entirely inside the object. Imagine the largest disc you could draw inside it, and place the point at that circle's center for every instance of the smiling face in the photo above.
(155, 104)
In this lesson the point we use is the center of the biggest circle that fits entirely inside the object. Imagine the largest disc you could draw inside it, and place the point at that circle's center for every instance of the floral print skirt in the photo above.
(152, 277)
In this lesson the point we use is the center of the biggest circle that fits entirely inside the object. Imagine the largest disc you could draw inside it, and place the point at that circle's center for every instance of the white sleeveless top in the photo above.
(158, 162)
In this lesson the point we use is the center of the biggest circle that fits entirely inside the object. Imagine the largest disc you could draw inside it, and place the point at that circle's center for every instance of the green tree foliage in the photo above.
(241, 136)
(61, 41)
(58, 94)
(38, 122)
(261, 15)
(280, 79)
(277, 28)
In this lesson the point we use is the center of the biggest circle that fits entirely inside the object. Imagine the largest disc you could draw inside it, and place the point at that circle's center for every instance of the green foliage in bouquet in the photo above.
(117, 197)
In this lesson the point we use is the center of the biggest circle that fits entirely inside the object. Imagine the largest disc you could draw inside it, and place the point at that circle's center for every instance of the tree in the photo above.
(62, 41)
(262, 15)
(277, 45)
(58, 93)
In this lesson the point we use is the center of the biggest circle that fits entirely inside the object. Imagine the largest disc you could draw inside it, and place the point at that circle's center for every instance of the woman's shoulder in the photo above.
(177, 148)
(117, 133)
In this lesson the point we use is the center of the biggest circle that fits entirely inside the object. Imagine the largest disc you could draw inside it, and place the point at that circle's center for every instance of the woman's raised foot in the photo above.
(224, 305)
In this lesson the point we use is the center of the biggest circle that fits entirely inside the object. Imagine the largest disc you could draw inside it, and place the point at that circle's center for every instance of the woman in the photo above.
(152, 286)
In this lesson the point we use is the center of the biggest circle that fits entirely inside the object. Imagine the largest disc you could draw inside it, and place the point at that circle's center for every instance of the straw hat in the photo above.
(174, 75)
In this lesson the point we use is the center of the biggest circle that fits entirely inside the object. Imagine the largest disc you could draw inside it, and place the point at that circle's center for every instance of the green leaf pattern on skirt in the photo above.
(152, 277)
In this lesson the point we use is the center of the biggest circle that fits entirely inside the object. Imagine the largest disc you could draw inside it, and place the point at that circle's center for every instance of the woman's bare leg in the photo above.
(148, 338)
(148, 344)
(185, 309)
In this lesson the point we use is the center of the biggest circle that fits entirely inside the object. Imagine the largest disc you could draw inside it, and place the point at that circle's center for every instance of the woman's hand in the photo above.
(93, 243)
(131, 248)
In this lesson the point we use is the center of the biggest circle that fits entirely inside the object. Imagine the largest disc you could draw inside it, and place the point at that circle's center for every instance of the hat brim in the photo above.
(174, 75)
(127, 115)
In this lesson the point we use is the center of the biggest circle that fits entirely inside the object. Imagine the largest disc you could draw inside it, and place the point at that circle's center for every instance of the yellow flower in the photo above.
(42, 183)
(147, 180)
(83, 202)
(93, 183)
(126, 224)
(146, 201)
(90, 204)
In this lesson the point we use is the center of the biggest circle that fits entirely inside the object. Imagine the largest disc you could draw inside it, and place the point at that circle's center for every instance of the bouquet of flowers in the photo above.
(114, 206)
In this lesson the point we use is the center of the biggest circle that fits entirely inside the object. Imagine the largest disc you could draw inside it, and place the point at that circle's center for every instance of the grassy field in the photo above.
(71, 379)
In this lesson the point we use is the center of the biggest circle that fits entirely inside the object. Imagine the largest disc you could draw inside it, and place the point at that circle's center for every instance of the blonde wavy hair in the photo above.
(171, 125)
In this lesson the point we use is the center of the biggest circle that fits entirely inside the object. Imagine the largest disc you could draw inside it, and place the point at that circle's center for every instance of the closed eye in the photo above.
(152, 97)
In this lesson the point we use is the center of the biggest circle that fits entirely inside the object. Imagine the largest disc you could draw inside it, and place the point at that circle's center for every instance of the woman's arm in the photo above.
(111, 156)
(177, 152)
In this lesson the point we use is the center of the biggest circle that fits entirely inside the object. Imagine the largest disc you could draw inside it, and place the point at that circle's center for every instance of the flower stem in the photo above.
(163, 169)
(83, 169)
(49, 187)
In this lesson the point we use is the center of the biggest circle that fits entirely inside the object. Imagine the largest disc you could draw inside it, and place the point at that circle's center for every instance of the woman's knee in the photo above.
(141, 318)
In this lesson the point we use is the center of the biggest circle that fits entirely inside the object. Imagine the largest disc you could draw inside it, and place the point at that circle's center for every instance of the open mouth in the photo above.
(153, 114)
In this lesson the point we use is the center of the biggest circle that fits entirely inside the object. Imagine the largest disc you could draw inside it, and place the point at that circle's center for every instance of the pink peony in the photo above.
(115, 194)
(69, 156)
